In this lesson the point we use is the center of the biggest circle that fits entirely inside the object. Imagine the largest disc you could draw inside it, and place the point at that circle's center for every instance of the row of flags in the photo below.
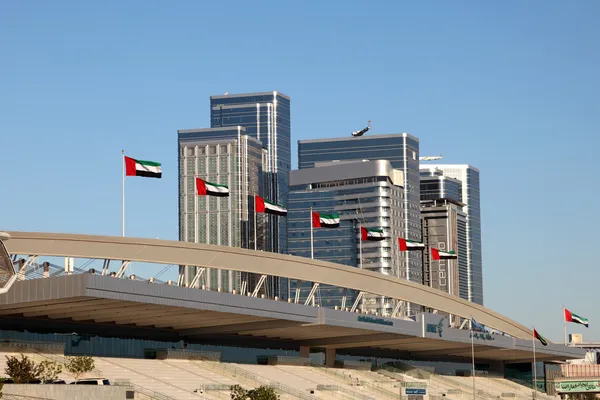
(569, 317)
(152, 169)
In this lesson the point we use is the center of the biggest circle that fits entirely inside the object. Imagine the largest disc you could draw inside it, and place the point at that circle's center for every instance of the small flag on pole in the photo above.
(325, 220)
(263, 206)
(540, 337)
(571, 317)
(206, 188)
(442, 255)
(407, 245)
(148, 169)
(372, 234)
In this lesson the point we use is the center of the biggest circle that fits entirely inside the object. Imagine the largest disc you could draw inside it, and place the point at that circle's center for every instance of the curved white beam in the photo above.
(262, 263)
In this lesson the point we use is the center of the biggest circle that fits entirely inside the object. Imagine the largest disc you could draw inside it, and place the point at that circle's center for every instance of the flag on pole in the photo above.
(442, 255)
(476, 326)
(325, 220)
(206, 188)
(571, 317)
(371, 234)
(263, 206)
(148, 169)
(540, 337)
(407, 245)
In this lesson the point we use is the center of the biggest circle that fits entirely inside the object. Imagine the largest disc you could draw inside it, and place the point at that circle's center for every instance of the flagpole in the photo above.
(473, 359)
(534, 367)
(123, 195)
(360, 245)
(565, 323)
(255, 214)
(312, 247)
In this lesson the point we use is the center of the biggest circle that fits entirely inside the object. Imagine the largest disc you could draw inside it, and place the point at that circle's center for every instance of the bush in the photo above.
(49, 371)
(260, 393)
(22, 370)
(79, 365)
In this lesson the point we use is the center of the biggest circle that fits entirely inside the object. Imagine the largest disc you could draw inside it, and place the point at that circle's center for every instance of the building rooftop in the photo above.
(275, 92)
(348, 137)
(433, 166)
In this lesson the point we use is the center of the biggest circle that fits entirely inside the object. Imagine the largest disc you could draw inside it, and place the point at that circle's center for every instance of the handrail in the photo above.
(147, 392)
(205, 386)
(254, 378)
(143, 374)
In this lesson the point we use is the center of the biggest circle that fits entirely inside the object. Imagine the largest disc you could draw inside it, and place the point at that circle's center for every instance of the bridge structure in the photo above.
(114, 303)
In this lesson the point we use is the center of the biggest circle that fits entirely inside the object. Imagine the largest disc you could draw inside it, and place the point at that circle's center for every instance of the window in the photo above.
(441, 245)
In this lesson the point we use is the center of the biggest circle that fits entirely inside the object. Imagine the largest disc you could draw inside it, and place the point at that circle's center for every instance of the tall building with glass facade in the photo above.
(266, 118)
(226, 156)
(444, 227)
(469, 177)
(365, 194)
(402, 151)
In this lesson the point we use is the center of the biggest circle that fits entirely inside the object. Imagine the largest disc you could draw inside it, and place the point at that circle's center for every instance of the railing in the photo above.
(210, 386)
(165, 354)
(253, 379)
(154, 378)
(344, 390)
(337, 389)
(151, 394)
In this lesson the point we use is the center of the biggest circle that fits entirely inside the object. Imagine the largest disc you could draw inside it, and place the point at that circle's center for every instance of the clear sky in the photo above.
(510, 87)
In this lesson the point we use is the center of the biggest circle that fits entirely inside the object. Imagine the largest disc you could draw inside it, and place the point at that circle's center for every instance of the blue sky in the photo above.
(510, 87)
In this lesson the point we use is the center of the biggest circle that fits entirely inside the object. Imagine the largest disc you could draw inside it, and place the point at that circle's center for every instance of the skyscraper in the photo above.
(265, 117)
(364, 195)
(402, 151)
(469, 176)
(226, 156)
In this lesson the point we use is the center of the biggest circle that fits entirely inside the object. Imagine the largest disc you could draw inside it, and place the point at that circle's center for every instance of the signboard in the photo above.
(436, 328)
(373, 320)
(579, 386)
(483, 336)
(421, 392)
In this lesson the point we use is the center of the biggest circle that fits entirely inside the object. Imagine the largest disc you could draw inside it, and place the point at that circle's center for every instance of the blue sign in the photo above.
(372, 320)
(421, 392)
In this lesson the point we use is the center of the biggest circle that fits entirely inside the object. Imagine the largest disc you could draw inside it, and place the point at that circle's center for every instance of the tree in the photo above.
(49, 370)
(79, 365)
(21, 370)
(260, 393)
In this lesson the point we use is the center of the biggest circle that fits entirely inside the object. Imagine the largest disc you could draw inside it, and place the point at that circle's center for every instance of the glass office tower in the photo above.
(469, 176)
(367, 194)
(265, 117)
(226, 156)
(402, 151)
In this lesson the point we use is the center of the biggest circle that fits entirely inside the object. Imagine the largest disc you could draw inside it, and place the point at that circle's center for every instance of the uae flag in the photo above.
(442, 255)
(325, 220)
(540, 338)
(149, 169)
(263, 206)
(211, 189)
(371, 234)
(407, 245)
(571, 317)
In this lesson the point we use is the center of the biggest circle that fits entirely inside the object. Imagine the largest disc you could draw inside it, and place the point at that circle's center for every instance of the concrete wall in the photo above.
(61, 392)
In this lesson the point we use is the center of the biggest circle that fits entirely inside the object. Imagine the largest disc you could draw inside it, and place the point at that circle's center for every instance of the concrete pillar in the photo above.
(329, 357)
(304, 351)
